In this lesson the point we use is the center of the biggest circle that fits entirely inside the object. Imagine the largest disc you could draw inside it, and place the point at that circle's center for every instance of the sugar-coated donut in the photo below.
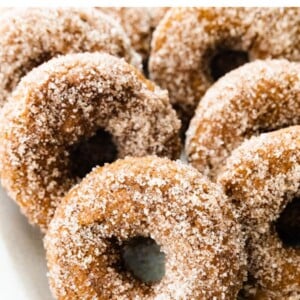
(32, 36)
(262, 180)
(257, 97)
(66, 104)
(136, 22)
(169, 203)
(192, 47)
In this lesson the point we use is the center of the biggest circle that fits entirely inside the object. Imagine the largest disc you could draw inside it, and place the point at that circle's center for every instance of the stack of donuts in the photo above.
(98, 107)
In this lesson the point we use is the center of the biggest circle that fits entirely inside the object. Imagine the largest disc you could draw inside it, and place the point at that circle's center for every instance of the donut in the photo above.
(136, 22)
(262, 180)
(32, 36)
(63, 111)
(193, 47)
(177, 220)
(257, 97)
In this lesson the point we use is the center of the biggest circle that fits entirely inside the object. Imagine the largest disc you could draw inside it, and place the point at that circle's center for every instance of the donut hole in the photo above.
(141, 256)
(226, 60)
(288, 224)
(89, 153)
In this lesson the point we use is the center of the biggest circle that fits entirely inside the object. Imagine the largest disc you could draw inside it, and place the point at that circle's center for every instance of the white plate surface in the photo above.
(22, 256)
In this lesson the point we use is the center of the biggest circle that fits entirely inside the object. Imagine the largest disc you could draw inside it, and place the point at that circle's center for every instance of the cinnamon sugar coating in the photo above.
(32, 36)
(186, 214)
(136, 22)
(157, 14)
(186, 41)
(261, 177)
(67, 99)
(257, 97)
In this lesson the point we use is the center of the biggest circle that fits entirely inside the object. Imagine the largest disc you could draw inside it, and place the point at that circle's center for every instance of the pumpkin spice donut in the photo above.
(32, 36)
(72, 113)
(262, 180)
(145, 228)
(192, 47)
(258, 97)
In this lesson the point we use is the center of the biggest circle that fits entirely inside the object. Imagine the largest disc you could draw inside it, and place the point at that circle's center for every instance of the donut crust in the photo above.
(136, 22)
(157, 14)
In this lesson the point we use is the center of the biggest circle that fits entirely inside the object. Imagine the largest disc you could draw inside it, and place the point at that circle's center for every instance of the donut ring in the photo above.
(262, 178)
(167, 201)
(136, 22)
(257, 97)
(61, 104)
(187, 47)
(24, 45)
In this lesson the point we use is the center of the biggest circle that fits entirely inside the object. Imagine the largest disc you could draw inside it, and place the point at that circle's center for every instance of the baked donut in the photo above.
(258, 97)
(94, 239)
(32, 36)
(136, 22)
(63, 111)
(262, 179)
(193, 47)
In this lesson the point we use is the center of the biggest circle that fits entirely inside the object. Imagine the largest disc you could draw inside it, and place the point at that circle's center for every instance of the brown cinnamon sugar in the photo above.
(157, 14)
(136, 22)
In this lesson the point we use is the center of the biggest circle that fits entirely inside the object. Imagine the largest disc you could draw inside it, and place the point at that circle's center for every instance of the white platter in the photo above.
(22, 256)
